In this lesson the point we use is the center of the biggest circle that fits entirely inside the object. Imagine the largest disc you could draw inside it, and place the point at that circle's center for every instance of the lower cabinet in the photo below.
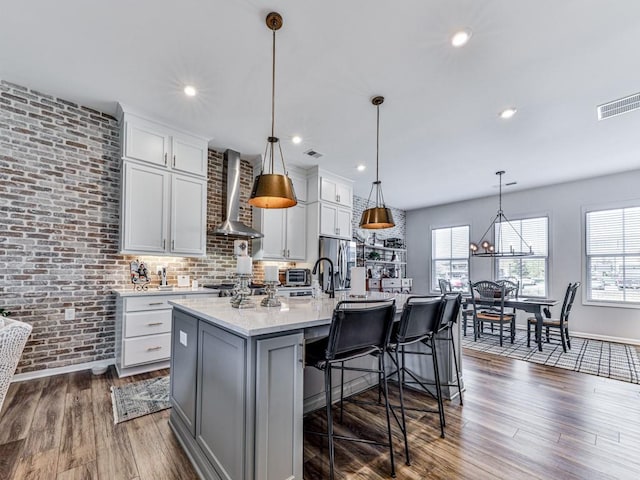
(248, 399)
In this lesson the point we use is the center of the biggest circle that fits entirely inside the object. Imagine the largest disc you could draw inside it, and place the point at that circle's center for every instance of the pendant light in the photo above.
(380, 216)
(502, 222)
(273, 190)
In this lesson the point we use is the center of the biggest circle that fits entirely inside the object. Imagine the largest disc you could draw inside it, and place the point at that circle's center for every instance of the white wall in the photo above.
(563, 204)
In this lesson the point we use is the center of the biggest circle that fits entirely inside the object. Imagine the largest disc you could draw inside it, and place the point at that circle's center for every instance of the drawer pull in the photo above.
(156, 303)
(154, 324)
(151, 349)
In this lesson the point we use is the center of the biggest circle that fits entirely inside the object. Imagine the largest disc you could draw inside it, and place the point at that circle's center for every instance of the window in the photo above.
(450, 257)
(613, 255)
(529, 271)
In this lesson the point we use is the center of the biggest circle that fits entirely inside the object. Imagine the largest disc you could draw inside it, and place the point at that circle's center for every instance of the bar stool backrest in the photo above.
(419, 320)
(359, 325)
(450, 309)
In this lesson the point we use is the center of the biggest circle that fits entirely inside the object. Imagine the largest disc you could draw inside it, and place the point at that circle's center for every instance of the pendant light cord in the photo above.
(273, 94)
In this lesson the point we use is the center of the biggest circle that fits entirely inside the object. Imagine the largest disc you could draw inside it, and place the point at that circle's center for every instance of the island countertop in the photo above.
(295, 313)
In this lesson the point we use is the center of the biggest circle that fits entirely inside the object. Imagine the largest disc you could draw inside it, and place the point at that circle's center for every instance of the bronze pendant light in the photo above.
(380, 216)
(273, 190)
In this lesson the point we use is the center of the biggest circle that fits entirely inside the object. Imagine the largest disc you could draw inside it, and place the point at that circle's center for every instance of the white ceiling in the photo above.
(441, 139)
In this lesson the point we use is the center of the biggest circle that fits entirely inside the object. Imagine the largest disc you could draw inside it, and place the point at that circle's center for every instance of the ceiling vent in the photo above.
(618, 107)
(313, 153)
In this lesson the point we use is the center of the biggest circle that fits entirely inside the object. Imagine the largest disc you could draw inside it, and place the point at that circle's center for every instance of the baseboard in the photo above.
(49, 372)
(605, 338)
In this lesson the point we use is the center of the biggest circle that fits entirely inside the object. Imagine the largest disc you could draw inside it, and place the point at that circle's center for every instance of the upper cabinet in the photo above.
(335, 190)
(152, 142)
(164, 189)
(324, 186)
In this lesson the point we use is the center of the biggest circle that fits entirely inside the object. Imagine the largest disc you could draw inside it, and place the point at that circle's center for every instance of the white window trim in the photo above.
(583, 225)
(432, 289)
(547, 276)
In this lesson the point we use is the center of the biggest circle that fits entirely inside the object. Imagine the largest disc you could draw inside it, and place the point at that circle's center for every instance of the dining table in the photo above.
(534, 306)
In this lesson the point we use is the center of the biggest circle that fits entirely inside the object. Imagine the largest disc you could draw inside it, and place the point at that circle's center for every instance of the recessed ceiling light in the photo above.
(460, 38)
(297, 139)
(190, 91)
(508, 113)
(361, 168)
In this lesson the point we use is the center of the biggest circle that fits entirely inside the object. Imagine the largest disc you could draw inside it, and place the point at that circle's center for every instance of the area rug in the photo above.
(134, 400)
(605, 359)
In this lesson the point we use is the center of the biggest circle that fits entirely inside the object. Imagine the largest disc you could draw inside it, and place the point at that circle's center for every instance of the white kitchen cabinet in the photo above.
(145, 209)
(335, 221)
(143, 331)
(284, 231)
(188, 215)
(336, 191)
(189, 154)
(146, 141)
(154, 143)
(162, 213)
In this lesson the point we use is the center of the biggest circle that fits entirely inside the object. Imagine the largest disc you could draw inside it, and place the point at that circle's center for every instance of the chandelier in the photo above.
(484, 248)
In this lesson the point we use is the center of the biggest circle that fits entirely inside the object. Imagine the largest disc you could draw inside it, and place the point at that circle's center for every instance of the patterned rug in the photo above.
(605, 359)
(140, 398)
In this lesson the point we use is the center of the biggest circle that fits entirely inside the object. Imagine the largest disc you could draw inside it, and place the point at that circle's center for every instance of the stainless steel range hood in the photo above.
(232, 226)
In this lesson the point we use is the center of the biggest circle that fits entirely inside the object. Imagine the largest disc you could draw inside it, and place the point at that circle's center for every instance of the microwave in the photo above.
(297, 277)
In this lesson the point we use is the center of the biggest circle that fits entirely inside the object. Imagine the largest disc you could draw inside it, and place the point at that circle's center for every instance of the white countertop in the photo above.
(153, 290)
(295, 313)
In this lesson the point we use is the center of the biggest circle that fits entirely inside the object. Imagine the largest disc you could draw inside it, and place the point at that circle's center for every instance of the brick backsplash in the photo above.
(59, 200)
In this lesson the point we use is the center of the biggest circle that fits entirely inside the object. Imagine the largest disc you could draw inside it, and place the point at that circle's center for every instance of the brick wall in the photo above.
(59, 204)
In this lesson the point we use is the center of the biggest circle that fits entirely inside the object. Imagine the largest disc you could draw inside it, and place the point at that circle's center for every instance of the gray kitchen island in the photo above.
(239, 389)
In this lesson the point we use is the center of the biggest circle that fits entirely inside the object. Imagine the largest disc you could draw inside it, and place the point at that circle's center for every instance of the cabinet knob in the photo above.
(151, 349)
(165, 158)
(174, 160)
(173, 244)
(154, 324)
(156, 303)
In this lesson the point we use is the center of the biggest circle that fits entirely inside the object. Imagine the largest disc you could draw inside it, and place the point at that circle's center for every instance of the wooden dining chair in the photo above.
(488, 299)
(561, 323)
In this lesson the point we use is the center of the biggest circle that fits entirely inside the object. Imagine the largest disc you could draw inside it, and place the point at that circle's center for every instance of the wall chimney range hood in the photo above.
(232, 226)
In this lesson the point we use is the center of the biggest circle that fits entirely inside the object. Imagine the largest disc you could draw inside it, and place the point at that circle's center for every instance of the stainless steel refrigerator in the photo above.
(343, 255)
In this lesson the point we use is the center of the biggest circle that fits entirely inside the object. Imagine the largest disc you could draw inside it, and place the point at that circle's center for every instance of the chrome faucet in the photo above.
(332, 289)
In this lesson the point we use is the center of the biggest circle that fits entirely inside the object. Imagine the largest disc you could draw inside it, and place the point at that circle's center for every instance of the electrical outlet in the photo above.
(183, 338)
(69, 313)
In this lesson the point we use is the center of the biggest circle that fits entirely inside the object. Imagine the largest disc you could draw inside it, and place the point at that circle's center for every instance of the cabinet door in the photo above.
(222, 379)
(146, 141)
(189, 155)
(188, 215)
(273, 228)
(297, 232)
(344, 194)
(184, 358)
(328, 219)
(279, 402)
(343, 222)
(145, 209)
(328, 190)
(299, 185)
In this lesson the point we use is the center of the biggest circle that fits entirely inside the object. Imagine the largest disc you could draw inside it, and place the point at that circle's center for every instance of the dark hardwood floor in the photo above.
(519, 421)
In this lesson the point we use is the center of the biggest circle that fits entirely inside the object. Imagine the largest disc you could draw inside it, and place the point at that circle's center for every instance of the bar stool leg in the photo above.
(436, 374)
(455, 363)
(327, 386)
(342, 393)
(387, 409)
(402, 411)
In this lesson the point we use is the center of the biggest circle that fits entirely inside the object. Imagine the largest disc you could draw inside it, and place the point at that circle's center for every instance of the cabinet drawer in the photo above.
(137, 304)
(147, 323)
(148, 349)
